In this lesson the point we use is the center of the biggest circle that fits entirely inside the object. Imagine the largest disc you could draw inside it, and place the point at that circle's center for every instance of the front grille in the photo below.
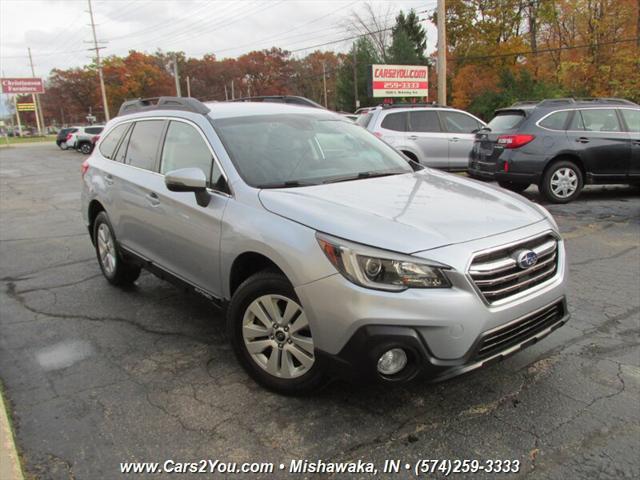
(501, 338)
(498, 276)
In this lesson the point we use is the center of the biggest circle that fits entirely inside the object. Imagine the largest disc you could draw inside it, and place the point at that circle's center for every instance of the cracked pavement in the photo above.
(95, 376)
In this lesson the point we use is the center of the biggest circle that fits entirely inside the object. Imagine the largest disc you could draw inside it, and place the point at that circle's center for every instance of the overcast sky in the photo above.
(56, 30)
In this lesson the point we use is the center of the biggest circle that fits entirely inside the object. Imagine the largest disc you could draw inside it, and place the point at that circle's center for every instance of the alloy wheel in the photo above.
(276, 334)
(106, 249)
(564, 182)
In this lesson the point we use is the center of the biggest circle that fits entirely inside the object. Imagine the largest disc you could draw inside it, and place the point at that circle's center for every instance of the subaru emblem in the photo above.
(526, 258)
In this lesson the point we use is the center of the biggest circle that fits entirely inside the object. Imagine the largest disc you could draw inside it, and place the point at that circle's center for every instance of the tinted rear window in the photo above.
(364, 119)
(506, 121)
(395, 121)
(143, 144)
(110, 142)
(93, 130)
(424, 121)
(556, 121)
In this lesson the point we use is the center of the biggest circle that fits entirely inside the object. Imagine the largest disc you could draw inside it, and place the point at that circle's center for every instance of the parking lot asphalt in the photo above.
(95, 376)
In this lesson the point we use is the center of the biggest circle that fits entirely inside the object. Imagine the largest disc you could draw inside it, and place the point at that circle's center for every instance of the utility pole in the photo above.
(176, 75)
(15, 104)
(355, 79)
(233, 92)
(226, 93)
(324, 83)
(188, 86)
(105, 105)
(442, 54)
(36, 98)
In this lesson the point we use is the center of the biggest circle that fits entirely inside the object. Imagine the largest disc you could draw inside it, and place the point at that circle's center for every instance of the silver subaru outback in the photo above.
(331, 254)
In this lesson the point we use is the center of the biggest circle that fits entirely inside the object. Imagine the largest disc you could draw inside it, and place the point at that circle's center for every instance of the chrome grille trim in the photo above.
(496, 275)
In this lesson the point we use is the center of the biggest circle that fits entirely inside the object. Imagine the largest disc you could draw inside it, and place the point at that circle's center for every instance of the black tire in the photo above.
(546, 187)
(514, 187)
(85, 148)
(123, 273)
(256, 286)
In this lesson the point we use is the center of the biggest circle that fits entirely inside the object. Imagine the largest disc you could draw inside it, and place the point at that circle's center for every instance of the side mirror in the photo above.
(186, 180)
(189, 180)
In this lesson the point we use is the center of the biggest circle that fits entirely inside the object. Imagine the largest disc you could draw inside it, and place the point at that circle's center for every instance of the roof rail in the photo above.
(410, 105)
(291, 99)
(524, 103)
(188, 104)
(550, 102)
(607, 100)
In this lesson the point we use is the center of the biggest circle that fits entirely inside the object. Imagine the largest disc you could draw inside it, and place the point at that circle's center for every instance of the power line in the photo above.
(543, 50)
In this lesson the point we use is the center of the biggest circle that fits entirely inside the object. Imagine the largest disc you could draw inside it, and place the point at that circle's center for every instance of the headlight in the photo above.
(380, 269)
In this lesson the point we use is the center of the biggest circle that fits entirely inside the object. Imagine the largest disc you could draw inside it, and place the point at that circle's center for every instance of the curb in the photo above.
(9, 462)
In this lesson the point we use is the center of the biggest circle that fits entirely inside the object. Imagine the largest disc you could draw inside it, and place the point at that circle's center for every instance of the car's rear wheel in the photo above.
(270, 334)
(114, 267)
(85, 148)
(562, 182)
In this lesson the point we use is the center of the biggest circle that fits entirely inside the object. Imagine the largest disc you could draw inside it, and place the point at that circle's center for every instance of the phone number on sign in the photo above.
(447, 467)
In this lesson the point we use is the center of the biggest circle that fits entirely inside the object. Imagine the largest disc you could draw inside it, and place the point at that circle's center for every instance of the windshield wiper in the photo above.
(361, 175)
(286, 184)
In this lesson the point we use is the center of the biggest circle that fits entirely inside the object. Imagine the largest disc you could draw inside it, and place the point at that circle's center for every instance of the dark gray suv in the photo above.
(560, 145)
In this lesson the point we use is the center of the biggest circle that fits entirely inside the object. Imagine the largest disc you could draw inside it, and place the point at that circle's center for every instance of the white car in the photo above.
(433, 136)
(81, 138)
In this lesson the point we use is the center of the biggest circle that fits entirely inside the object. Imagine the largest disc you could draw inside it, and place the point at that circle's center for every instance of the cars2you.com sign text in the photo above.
(399, 81)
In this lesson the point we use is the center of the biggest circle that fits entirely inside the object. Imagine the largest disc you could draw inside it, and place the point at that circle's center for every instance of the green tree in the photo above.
(409, 30)
(365, 55)
(402, 51)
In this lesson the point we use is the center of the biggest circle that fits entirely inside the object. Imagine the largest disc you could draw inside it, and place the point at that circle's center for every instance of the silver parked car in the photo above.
(433, 136)
(332, 254)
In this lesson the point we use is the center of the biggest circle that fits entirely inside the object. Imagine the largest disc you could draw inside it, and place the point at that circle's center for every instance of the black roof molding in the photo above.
(188, 104)
(554, 102)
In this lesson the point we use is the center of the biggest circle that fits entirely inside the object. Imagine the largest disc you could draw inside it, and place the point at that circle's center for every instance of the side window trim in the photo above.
(125, 138)
(114, 154)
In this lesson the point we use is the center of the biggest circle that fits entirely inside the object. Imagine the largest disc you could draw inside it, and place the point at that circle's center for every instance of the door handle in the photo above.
(153, 199)
(454, 139)
(582, 140)
(636, 142)
(412, 137)
(108, 179)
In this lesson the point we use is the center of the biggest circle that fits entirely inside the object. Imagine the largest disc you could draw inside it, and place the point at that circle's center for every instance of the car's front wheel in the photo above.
(271, 336)
(514, 187)
(562, 182)
(114, 267)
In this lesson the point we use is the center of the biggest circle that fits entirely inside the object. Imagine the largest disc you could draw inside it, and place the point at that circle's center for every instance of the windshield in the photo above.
(505, 121)
(271, 151)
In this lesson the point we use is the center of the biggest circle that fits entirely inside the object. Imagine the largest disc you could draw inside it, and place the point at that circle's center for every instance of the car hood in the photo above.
(404, 213)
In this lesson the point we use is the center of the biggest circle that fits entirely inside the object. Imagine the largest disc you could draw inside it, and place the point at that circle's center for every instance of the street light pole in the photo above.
(324, 83)
(176, 75)
(442, 54)
(105, 105)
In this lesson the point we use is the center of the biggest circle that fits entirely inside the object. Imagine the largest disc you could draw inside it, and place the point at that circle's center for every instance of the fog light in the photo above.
(392, 361)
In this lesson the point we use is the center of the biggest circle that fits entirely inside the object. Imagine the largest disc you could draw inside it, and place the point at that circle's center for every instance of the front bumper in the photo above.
(357, 360)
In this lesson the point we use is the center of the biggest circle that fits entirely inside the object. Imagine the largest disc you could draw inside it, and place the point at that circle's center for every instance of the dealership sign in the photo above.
(22, 85)
(399, 81)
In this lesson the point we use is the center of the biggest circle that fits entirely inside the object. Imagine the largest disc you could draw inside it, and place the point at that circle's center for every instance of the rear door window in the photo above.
(632, 119)
(457, 122)
(424, 121)
(504, 121)
(395, 121)
(600, 120)
(143, 144)
(556, 121)
(110, 142)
